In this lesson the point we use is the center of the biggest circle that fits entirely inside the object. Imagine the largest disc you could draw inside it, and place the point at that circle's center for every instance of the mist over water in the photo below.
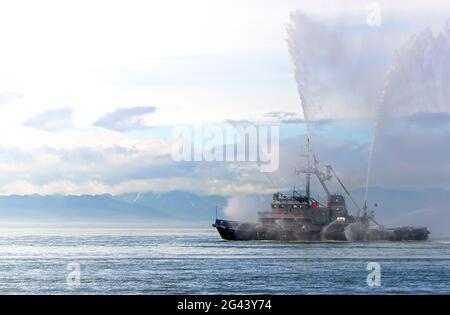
(356, 231)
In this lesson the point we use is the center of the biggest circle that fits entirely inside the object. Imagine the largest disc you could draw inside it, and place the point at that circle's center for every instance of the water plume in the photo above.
(333, 231)
(356, 231)
(345, 71)
(339, 67)
(245, 207)
(417, 81)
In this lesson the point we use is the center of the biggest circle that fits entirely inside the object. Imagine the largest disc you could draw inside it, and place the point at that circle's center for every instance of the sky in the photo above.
(89, 90)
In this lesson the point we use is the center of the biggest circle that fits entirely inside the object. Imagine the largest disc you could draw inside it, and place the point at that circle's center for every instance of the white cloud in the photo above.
(126, 119)
(51, 120)
(196, 61)
(9, 97)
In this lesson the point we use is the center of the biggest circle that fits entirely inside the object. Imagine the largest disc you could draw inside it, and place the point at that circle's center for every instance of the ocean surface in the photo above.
(197, 261)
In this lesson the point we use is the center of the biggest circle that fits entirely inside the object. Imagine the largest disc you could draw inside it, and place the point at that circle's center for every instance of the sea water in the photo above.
(197, 261)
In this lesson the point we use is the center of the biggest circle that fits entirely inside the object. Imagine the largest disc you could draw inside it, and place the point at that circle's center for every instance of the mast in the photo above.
(308, 172)
(313, 169)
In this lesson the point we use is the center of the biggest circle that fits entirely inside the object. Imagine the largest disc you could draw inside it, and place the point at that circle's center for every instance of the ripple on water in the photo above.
(159, 261)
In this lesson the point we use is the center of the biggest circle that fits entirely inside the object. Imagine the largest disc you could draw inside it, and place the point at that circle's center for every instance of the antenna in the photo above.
(314, 170)
(308, 173)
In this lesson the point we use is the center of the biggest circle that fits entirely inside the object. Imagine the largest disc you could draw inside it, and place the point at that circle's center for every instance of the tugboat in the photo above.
(299, 217)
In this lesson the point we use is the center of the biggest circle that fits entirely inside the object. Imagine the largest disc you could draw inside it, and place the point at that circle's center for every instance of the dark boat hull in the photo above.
(237, 231)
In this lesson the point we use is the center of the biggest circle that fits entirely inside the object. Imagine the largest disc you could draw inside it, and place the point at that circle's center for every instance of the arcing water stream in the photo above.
(418, 81)
(336, 77)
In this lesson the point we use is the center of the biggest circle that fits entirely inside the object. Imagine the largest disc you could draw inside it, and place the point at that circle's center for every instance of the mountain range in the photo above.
(429, 208)
(173, 205)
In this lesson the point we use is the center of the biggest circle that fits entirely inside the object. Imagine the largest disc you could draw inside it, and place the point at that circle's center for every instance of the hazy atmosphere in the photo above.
(89, 94)
(211, 148)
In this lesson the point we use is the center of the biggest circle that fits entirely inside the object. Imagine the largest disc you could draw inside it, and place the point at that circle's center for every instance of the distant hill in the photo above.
(429, 208)
(174, 205)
